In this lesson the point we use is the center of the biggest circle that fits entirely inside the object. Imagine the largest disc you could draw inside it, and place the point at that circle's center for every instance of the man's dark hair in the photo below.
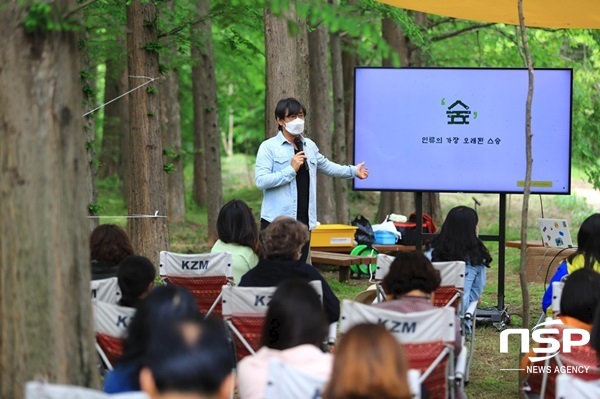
(288, 107)
(411, 271)
(134, 275)
(295, 317)
(581, 295)
(198, 367)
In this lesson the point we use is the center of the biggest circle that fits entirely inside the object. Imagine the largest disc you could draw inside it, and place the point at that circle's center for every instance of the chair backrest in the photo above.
(383, 266)
(110, 324)
(427, 338)
(286, 381)
(452, 285)
(557, 289)
(106, 290)
(245, 309)
(41, 390)
(571, 387)
(202, 274)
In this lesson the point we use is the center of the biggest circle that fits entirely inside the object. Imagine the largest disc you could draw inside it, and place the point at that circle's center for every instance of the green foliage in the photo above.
(153, 46)
(95, 209)
(88, 91)
(45, 16)
(171, 153)
(151, 90)
(169, 168)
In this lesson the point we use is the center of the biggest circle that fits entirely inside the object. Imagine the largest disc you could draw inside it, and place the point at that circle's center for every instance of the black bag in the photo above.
(364, 232)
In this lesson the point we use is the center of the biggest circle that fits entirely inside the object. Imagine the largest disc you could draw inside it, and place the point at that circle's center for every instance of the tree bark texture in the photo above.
(88, 86)
(322, 118)
(111, 133)
(199, 189)
(339, 127)
(210, 121)
(171, 136)
(147, 187)
(286, 47)
(46, 328)
(349, 61)
(123, 107)
(526, 54)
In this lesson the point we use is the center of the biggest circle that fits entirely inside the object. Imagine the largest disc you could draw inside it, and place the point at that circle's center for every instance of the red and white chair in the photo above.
(427, 338)
(110, 325)
(42, 390)
(106, 290)
(202, 274)
(244, 310)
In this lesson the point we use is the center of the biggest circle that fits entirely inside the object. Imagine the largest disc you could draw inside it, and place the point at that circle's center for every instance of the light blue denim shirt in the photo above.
(275, 176)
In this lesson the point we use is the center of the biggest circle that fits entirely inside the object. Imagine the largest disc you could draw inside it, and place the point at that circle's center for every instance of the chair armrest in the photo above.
(332, 335)
(471, 310)
(461, 364)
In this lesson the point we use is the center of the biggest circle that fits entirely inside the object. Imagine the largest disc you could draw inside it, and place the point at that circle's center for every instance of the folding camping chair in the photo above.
(110, 325)
(202, 274)
(427, 338)
(42, 390)
(106, 290)
(571, 387)
(581, 361)
(244, 311)
(286, 381)
(383, 267)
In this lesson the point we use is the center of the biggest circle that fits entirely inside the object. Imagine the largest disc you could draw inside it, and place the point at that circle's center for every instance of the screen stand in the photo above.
(498, 315)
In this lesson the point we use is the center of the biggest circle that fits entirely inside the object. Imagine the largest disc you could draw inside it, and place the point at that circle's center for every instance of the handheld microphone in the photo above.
(300, 147)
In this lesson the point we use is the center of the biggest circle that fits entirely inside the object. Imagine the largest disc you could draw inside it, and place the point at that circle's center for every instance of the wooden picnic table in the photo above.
(342, 261)
(382, 249)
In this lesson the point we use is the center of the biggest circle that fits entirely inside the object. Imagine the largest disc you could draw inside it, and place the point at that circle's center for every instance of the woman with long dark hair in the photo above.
(458, 241)
(238, 234)
(586, 256)
(295, 327)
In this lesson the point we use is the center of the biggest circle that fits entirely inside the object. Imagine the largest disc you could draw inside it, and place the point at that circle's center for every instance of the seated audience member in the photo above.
(295, 327)
(595, 334)
(369, 364)
(283, 240)
(109, 245)
(409, 285)
(136, 279)
(238, 234)
(166, 305)
(578, 303)
(193, 361)
(586, 256)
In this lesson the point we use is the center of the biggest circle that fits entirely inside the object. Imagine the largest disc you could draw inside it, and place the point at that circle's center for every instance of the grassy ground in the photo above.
(487, 381)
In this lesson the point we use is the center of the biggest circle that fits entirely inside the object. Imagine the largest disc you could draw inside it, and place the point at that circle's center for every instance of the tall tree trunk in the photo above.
(286, 47)
(526, 55)
(88, 86)
(339, 126)
(171, 136)
(46, 328)
(147, 187)
(349, 61)
(123, 106)
(199, 189)
(322, 118)
(111, 135)
(210, 121)
(394, 202)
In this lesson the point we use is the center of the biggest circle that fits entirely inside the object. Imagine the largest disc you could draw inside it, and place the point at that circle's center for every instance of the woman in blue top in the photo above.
(458, 240)
(586, 256)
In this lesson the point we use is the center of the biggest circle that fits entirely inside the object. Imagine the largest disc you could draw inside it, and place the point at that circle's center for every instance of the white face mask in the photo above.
(295, 127)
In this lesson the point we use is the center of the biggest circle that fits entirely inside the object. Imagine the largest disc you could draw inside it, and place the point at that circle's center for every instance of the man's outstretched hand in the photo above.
(362, 172)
